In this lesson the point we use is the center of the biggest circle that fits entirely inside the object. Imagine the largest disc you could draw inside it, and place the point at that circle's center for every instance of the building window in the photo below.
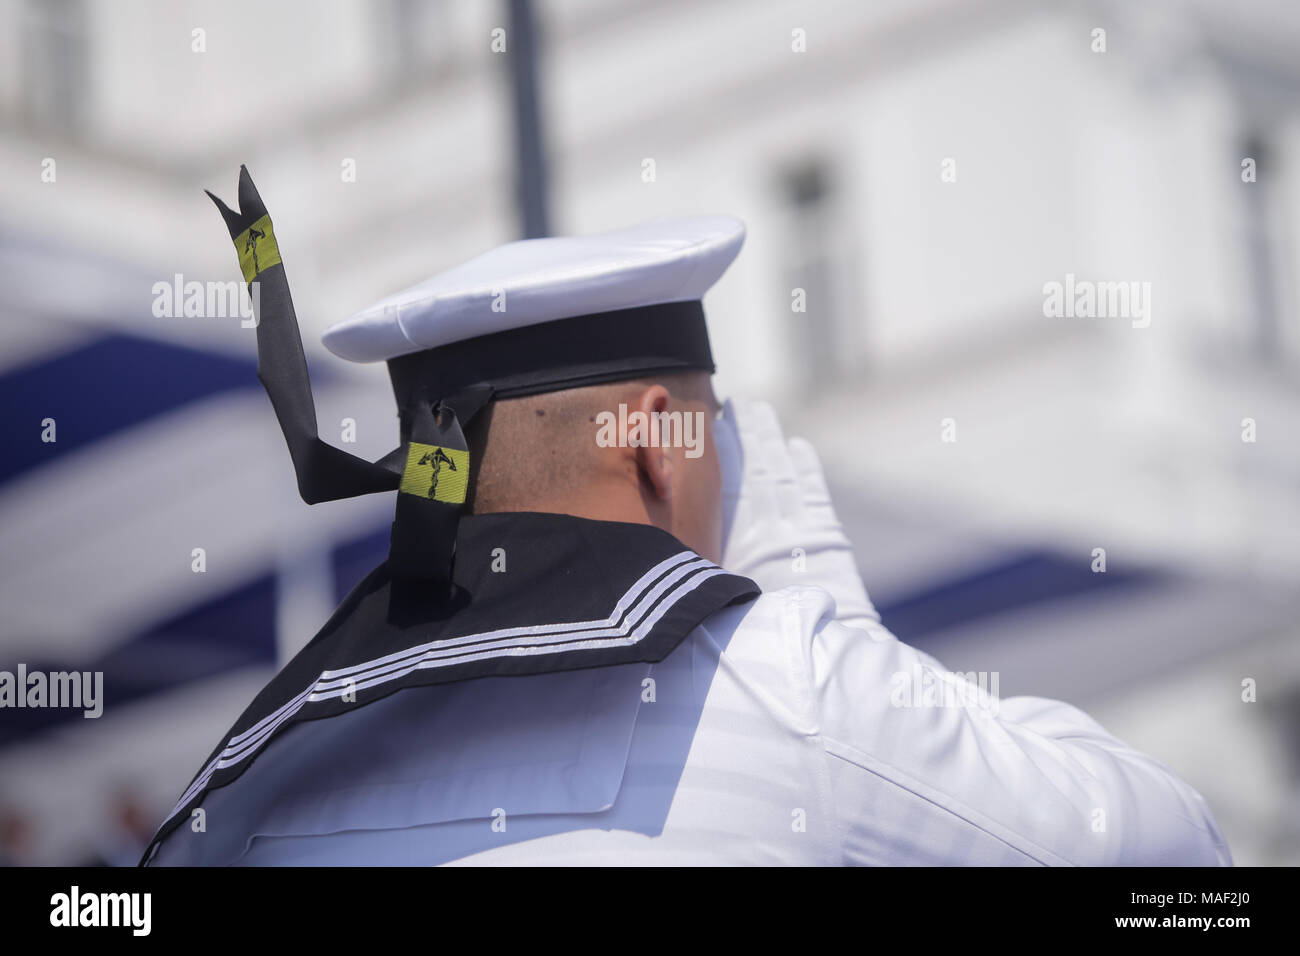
(821, 338)
(1265, 242)
(55, 43)
(413, 37)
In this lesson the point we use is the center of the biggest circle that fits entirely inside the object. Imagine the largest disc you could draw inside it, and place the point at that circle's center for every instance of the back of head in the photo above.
(640, 451)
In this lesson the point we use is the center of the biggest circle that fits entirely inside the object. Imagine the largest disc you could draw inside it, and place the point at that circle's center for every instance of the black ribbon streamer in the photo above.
(423, 537)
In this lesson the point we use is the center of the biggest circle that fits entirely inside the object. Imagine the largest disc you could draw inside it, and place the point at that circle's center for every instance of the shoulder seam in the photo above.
(792, 633)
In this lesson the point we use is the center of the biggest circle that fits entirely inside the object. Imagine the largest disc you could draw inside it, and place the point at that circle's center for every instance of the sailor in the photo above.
(585, 651)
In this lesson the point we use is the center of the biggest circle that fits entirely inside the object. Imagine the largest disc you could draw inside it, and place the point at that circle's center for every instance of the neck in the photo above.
(599, 501)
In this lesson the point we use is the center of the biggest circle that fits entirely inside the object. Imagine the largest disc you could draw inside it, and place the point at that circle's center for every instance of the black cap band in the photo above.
(563, 353)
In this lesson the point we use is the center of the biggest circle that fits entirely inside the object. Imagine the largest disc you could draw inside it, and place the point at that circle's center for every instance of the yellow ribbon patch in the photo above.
(433, 471)
(257, 248)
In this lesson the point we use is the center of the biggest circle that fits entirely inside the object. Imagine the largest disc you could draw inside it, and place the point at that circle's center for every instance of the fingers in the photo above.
(768, 468)
(731, 456)
(808, 472)
(731, 460)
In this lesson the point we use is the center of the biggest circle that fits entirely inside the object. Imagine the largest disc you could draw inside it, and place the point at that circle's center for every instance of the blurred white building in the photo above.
(914, 176)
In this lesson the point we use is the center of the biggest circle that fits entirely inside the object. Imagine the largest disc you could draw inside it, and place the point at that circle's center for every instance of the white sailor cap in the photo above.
(617, 275)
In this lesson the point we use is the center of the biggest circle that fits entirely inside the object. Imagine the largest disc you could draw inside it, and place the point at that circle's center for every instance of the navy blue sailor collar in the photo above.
(532, 593)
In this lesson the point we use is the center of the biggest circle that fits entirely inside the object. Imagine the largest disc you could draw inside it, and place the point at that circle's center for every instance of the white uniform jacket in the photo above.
(772, 735)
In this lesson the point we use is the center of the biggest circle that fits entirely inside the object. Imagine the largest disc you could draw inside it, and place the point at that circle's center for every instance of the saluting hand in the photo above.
(779, 527)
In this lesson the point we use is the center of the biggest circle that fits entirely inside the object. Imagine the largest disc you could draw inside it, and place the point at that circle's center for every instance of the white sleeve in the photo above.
(922, 751)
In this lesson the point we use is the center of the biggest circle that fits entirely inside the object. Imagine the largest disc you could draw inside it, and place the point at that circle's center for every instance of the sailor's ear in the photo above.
(654, 460)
